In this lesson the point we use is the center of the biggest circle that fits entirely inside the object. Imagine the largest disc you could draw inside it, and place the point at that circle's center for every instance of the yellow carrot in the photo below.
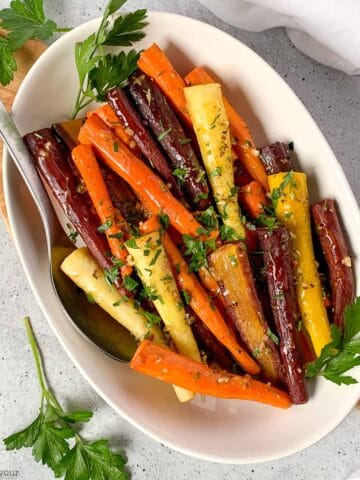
(290, 198)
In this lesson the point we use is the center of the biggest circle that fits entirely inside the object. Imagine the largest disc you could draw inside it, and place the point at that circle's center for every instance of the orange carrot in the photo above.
(252, 198)
(110, 217)
(244, 146)
(200, 302)
(170, 367)
(154, 62)
(108, 116)
(150, 189)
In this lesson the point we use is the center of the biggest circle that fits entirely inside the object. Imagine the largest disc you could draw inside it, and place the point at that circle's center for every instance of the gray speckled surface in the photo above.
(333, 99)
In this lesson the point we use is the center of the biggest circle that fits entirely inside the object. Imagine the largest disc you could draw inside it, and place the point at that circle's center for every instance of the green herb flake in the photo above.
(184, 141)
(121, 301)
(228, 234)
(155, 257)
(164, 221)
(273, 337)
(163, 134)
(180, 174)
(105, 226)
(152, 319)
(187, 297)
(213, 123)
(131, 243)
(111, 275)
(130, 284)
(216, 172)
(89, 297)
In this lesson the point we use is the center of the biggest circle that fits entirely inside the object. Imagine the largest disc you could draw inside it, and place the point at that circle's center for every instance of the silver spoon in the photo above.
(89, 319)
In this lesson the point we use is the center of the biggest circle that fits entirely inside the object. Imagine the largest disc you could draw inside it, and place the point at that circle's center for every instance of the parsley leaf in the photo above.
(7, 62)
(49, 435)
(180, 174)
(228, 234)
(98, 73)
(130, 284)
(342, 353)
(208, 218)
(152, 319)
(25, 19)
(105, 226)
(127, 29)
(112, 71)
(196, 249)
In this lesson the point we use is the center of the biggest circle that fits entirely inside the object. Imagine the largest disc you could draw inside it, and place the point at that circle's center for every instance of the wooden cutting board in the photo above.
(25, 57)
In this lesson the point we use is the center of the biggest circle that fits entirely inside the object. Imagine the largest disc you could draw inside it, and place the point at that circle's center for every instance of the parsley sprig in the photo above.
(23, 20)
(98, 73)
(50, 434)
(343, 352)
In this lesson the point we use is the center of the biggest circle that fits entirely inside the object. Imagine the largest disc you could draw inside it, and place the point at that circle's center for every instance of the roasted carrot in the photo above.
(111, 219)
(108, 116)
(244, 144)
(154, 62)
(150, 189)
(171, 367)
(200, 302)
(252, 198)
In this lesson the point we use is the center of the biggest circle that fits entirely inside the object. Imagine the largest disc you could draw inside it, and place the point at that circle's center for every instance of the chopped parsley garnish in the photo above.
(89, 297)
(216, 172)
(164, 221)
(234, 191)
(152, 319)
(180, 174)
(130, 284)
(213, 123)
(273, 337)
(115, 147)
(184, 141)
(277, 193)
(73, 234)
(208, 218)
(105, 226)
(187, 297)
(122, 300)
(131, 243)
(155, 257)
(118, 235)
(228, 234)
(163, 134)
(111, 275)
(200, 196)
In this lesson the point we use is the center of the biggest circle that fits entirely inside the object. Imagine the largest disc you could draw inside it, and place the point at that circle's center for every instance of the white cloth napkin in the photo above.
(326, 30)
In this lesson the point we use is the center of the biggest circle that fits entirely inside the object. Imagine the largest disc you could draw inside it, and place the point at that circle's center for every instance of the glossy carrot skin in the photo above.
(252, 198)
(337, 256)
(232, 271)
(120, 128)
(150, 189)
(156, 111)
(243, 142)
(155, 64)
(200, 302)
(276, 248)
(56, 171)
(277, 158)
(89, 169)
(124, 110)
(170, 367)
(122, 196)
(214, 351)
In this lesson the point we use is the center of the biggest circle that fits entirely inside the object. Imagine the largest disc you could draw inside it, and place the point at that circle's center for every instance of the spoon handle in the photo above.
(25, 164)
